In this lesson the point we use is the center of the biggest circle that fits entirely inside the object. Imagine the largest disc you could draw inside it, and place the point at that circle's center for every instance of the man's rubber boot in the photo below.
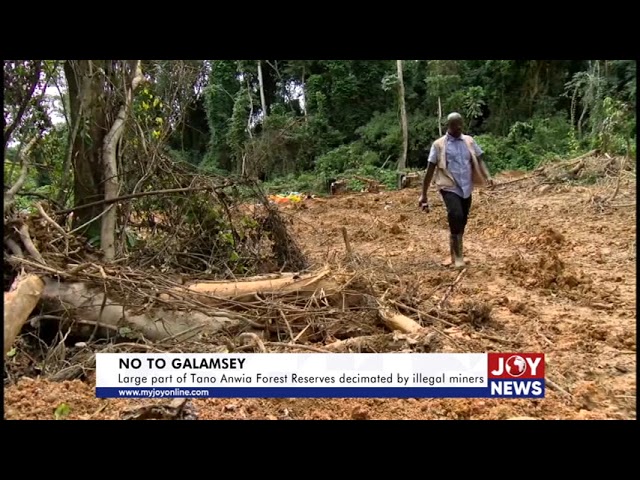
(452, 250)
(457, 251)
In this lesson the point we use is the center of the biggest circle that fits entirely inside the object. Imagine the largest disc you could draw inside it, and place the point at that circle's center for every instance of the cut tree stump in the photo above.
(338, 187)
(397, 321)
(19, 302)
(409, 180)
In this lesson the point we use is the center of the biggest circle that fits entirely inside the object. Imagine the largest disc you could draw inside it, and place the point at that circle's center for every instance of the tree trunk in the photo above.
(110, 161)
(402, 164)
(304, 96)
(73, 128)
(88, 107)
(262, 97)
(439, 115)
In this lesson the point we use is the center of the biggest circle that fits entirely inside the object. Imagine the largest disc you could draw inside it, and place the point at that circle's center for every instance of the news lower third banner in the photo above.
(317, 375)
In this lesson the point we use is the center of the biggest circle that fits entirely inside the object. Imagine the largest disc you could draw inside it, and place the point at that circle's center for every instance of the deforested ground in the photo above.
(552, 269)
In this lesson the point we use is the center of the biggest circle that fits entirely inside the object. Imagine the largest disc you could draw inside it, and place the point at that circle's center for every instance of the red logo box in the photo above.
(516, 366)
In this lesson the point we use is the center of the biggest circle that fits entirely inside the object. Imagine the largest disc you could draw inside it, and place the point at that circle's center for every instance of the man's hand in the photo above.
(423, 203)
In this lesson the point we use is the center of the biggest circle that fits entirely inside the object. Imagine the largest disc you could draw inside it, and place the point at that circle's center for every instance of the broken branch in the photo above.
(347, 245)
(28, 244)
(451, 288)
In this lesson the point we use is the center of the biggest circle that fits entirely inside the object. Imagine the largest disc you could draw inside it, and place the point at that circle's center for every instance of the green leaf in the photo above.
(124, 331)
(131, 238)
(61, 411)
(12, 353)
(94, 241)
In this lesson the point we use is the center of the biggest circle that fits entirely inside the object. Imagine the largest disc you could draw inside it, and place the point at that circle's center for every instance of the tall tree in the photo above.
(402, 164)
(100, 94)
(86, 80)
(219, 97)
(261, 83)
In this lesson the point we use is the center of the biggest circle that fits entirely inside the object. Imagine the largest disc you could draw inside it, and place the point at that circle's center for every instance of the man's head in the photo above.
(454, 124)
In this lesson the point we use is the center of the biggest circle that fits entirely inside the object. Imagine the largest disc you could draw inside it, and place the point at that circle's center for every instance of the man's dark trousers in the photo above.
(457, 211)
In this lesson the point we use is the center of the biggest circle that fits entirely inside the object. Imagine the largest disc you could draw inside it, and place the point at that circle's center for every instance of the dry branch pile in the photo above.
(203, 228)
(328, 310)
(175, 220)
(174, 286)
(607, 172)
(589, 167)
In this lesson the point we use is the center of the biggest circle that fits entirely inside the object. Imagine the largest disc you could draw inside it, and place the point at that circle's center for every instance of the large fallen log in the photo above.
(18, 305)
(288, 282)
(305, 286)
(87, 306)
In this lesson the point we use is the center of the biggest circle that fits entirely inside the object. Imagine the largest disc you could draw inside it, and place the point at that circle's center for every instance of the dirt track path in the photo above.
(558, 275)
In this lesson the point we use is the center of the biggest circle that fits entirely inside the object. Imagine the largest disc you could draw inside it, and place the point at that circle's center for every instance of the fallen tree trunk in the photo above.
(18, 305)
(213, 292)
(89, 307)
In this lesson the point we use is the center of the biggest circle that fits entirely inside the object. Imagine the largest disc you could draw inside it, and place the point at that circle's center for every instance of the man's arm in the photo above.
(482, 160)
(428, 176)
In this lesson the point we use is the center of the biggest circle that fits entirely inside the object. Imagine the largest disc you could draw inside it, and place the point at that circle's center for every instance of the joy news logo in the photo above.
(516, 375)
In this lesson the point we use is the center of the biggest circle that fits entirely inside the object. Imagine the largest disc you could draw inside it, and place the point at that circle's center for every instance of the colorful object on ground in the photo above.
(291, 197)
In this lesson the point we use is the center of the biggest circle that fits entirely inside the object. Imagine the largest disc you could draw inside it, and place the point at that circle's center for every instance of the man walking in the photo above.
(457, 163)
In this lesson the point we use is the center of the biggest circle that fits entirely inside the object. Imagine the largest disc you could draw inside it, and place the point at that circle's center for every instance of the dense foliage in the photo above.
(327, 118)
(295, 124)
